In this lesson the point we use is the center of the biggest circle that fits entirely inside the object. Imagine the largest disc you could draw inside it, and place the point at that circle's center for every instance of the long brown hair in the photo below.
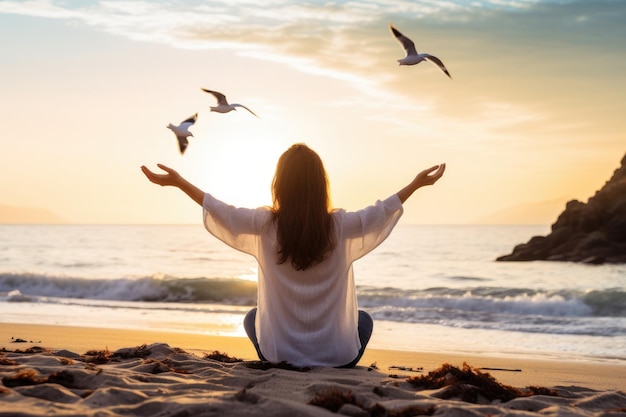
(301, 208)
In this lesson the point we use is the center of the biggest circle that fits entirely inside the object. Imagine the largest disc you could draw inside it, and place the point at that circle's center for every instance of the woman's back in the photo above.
(305, 317)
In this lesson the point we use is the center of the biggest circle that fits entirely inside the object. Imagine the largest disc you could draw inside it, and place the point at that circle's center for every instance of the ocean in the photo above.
(429, 288)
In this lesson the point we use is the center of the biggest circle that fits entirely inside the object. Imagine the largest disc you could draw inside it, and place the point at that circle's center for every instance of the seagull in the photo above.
(412, 57)
(222, 103)
(182, 131)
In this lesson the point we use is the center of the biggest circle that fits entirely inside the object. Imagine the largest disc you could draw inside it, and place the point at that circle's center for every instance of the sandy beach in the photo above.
(73, 371)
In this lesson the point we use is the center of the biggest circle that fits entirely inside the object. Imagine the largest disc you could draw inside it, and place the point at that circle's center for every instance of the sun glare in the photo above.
(239, 170)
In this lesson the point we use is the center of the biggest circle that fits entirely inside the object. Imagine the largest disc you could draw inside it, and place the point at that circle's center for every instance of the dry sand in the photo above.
(171, 376)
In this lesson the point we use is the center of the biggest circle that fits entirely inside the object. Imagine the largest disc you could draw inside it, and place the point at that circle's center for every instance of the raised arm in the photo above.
(173, 178)
(426, 177)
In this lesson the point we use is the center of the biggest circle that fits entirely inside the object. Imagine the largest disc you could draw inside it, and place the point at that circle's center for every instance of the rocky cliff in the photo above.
(592, 232)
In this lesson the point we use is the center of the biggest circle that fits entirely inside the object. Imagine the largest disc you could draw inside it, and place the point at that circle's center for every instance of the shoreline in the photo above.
(507, 369)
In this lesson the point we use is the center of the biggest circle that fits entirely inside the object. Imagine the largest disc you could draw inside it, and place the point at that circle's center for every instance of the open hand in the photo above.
(171, 177)
(429, 176)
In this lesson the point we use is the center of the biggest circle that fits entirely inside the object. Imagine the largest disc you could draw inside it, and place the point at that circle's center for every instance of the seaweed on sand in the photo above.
(265, 365)
(333, 399)
(29, 351)
(97, 356)
(6, 361)
(136, 352)
(470, 384)
(161, 366)
(32, 377)
(106, 356)
(221, 357)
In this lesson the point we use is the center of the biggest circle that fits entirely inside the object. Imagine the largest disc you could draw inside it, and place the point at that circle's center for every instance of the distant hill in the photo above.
(17, 215)
(541, 212)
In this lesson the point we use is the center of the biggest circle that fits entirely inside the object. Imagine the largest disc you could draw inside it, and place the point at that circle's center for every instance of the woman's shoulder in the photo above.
(342, 217)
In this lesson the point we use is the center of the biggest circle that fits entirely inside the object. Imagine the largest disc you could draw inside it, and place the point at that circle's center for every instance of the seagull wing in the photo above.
(182, 143)
(221, 98)
(191, 120)
(185, 127)
(187, 123)
(241, 105)
(407, 43)
(438, 62)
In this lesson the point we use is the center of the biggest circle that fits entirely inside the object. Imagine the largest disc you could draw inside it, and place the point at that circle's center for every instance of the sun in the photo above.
(237, 167)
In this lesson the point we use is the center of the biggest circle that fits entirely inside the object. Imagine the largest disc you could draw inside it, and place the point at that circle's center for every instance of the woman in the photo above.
(306, 311)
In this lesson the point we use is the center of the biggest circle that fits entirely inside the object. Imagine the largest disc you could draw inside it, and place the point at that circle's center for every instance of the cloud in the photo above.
(349, 41)
(275, 23)
(345, 34)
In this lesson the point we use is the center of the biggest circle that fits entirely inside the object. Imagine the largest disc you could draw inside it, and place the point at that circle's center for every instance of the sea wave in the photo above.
(22, 287)
(574, 312)
(520, 301)
(523, 301)
(598, 312)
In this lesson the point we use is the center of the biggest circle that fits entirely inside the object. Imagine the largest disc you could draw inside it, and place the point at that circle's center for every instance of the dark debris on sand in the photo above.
(333, 399)
(265, 365)
(6, 361)
(97, 356)
(260, 365)
(467, 384)
(470, 384)
(161, 366)
(32, 377)
(221, 357)
(407, 368)
(28, 351)
(340, 400)
(106, 356)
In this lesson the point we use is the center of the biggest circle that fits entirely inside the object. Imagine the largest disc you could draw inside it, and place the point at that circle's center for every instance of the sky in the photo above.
(532, 117)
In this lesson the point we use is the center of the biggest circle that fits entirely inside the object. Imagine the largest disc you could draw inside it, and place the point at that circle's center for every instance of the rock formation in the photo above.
(592, 232)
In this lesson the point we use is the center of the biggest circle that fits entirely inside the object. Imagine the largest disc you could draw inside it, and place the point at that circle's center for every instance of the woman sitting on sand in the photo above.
(306, 311)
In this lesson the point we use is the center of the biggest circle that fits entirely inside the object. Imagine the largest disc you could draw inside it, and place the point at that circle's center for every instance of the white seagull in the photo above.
(182, 132)
(412, 57)
(222, 104)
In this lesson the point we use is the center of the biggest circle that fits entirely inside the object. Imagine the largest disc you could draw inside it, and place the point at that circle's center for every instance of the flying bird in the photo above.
(182, 131)
(412, 57)
(222, 104)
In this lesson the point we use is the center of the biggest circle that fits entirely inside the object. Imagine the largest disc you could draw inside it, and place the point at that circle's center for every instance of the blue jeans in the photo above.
(365, 327)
